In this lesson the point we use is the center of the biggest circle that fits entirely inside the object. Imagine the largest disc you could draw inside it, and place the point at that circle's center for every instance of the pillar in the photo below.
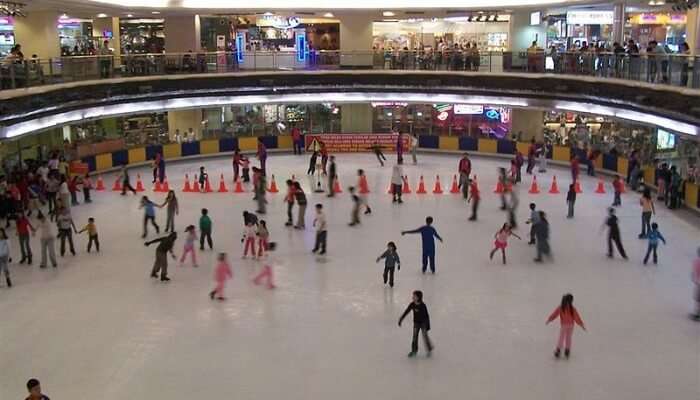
(108, 24)
(529, 122)
(619, 23)
(184, 120)
(38, 34)
(692, 31)
(522, 34)
(182, 34)
(356, 37)
(356, 118)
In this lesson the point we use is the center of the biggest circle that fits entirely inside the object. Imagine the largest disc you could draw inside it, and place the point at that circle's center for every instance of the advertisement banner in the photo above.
(355, 143)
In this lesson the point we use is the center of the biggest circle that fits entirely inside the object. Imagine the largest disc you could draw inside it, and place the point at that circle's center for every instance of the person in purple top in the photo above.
(399, 148)
(262, 155)
(428, 235)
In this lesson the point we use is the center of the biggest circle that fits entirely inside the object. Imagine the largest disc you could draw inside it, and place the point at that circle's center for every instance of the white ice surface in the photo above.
(98, 328)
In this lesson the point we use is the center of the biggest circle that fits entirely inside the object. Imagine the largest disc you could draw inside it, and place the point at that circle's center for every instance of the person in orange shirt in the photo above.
(474, 198)
(568, 315)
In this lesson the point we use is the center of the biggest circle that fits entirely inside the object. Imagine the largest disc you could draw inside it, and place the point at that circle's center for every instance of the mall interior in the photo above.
(96, 96)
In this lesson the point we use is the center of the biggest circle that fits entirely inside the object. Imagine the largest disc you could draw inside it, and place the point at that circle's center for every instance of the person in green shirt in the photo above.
(205, 229)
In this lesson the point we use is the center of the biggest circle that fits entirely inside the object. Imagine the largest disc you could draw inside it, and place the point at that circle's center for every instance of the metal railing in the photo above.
(668, 69)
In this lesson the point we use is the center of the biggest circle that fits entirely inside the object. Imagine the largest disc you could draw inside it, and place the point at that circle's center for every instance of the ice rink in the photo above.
(98, 327)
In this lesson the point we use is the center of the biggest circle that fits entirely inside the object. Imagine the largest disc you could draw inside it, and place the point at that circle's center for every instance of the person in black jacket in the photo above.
(421, 322)
(165, 246)
(614, 234)
(332, 176)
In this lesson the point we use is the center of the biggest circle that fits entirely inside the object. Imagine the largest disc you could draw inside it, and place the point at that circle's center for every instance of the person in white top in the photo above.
(321, 230)
(43, 172)
(414, 148)
(5, 257)
(64, 193)
(396, 183)
(47, 235)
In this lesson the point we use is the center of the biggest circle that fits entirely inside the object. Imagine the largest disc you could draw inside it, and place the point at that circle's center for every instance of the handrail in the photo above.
(681, 70)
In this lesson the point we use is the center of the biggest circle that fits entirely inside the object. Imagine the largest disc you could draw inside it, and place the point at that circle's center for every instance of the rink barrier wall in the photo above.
(607, 163)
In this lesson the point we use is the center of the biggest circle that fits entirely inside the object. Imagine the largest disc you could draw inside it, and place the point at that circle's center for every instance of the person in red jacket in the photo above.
(296, 140)
(465, 170)
(531, 153)
(575, 168)
(618, 187)
(474, 199)
(568, 315)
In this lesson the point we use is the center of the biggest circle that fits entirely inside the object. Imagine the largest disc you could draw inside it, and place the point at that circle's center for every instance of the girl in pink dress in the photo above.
(222, 273)
(263, 237)
(249, 234)
(190, 239)
(502, 241)
(568, 315)
(265, 273)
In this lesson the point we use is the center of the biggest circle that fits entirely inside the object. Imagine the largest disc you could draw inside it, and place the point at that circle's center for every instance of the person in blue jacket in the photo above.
(428, 235)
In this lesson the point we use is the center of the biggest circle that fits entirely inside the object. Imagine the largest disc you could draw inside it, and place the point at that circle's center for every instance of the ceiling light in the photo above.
(328, 15)
(130, 15)
(267, 14)
(64, 16)
(388, 13)
(155, 12)
(101, 15)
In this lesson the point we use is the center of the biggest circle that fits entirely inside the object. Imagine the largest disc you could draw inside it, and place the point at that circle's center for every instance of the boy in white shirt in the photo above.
(321, 230)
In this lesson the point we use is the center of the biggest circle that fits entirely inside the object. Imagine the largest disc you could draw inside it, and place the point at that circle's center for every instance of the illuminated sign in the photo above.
(240, 46)
(589, 17)
(535, 18)
(493, 114)
(278, 21)
(301, 46)
(658, 19)
(461, 109)
(443, 116)
(388, 104)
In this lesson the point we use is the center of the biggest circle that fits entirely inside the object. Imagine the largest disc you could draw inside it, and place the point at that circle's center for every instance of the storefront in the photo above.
(75, 36)
(7, 35)
(139, 36)
(488, 32)
(667, 29)
(578, 28)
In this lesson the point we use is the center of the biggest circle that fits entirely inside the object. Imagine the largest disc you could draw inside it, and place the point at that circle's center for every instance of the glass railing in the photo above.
(666, 69)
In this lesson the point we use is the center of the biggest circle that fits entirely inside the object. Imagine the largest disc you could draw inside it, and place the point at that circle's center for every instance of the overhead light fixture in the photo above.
(101, 15)
(388, 13)
(268, 14)
(64, 16)
(130, 15)
(328, 15)
(155, 12)
(11, 9)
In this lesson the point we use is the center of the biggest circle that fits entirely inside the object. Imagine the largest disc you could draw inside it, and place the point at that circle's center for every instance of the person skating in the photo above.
(695, 277)
(324, 158)
(87, 186)
(396, 183)
(203, 178)
(261, 154)
(363, 196)
(414, 148)
(391, 262)
(501, 241)
(534, 219)
(91, 230)
(24, 229)
(165, 246)
(465, 170)
(568, 315)
(248, 240)
(5, 258)
(519, 161)
(474, 199)
(222, 273)
(47, 237)
(541, 231)
(236, 163)
(300, 198)
(654, 236)
(321, 231)
(126, 182)
(332, 176)
(172, 210)
(421, 323)
(618, 186)
(647, 204)
(377, 149)
(614, 234)
(245, 169)
(149, 215)
(312, 163)
(399, 148)
(66, 227)
(428, 235)
(289, 199)
(263, 238)
(190, 240)
(356, 204)
(570, 201)
(266, 273)
(34, 388)
(205, 229)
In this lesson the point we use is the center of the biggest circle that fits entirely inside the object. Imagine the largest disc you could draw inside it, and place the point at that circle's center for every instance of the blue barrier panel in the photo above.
(91, 162)
(467, 143)
(190, 149)
(505, 146)
(269, 141)
(228, 144)
(581, 154)
(610, 162)
(120, 157)
(429, 141)
(152, 150)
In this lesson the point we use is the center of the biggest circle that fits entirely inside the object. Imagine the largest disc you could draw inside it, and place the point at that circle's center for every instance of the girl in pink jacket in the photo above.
(222, 273)
(696, 281)
(568, 315)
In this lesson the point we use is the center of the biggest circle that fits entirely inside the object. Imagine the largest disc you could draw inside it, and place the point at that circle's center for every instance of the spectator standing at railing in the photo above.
(684, 51)
(105, 57)
(634, 62)
(467, 56)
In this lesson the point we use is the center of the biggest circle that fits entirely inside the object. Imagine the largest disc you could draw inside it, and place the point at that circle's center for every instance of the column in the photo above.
(529, 122)
(356, 118)
(182, 34)
(100, 26)
(619, 23)
(356, 40)
(522, 34)
(692, 31)
(184, 120)
(38, 34)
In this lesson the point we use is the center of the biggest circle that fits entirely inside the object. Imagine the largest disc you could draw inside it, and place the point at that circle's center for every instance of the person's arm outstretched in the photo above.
(437, 235)
(554, 315)
(417, 230)
(663, 239)
(578, 320)
(383, 255)
(150, 242)
(516, 235)
(405, 313)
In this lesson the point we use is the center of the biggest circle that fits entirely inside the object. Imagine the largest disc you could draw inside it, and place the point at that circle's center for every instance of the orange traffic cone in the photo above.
(273, 186)
(438, 188)
(117, 187)
(421, 186)
(577, 187)
(207, 186)
(165, 187)
(534, 188)
(406, 189)
(336, 186)
(364, 187)
(239, 187)
(139, 184)
(455, 186)
(601, 187)
(554, 189)
(100, 184)
(188, 187)
(499, 187)
(158, 187)
(222, 185)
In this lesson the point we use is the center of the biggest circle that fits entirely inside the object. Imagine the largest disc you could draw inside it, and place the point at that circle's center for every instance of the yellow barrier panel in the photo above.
(172, 150)
(649, 175)
(448, 143)
(137, 155)
(248, 143)
(561, 153)
(488, 146)
(208, 146)
(691, 194)
(523, 147)
(599, 162)
(284, 142)
(622, 166)
(103, 161)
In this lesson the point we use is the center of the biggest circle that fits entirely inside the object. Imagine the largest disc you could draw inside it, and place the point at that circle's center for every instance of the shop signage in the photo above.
(376, 104)
(279, 22)
(589, 17)
(356, 143)
(658, 19)
(461, 109)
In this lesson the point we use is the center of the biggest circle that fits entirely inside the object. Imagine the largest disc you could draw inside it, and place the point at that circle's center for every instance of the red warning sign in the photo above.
(357, 143)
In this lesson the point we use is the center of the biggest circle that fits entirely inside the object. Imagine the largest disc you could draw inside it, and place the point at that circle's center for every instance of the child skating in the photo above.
(91, 229)
(203, 177)
(618, 186)
(428, 235)
(263, 238)
(205, 230)
(248, 240)
(695, 277)
(363, 196)
(266, 273)
(321, 231)
(356, 204)
(502, 241)
(421, 323)
(571, 200)
(188, 248)
(391, 262)
(222, 273)
(5, 259)
(614, 234)
(653, 236)
(148, 215)
(474, 198)
(568, 315)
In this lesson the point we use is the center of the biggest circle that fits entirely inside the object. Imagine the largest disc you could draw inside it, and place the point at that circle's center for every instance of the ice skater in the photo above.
(541, 231)
(266, 273)
(172, 210)
(47, 238)
(474, 199)
(87, 186)
(421, 323)
(428, 235)
(391, 262)
(571, 200)
(261, 154)
(614, 234)
(203, 178)
(24, 229)
(695, 277)
(165, 246)
(321, 226)
(222, 273)
(356, 204)
(534, 219)
(126, 182)
(377, 149)
(34, 388)
(618, 186)
(5, 258)
(654, 236)
(263, 238)
(414, 148)
(289, 199)
(396, 183)
(149, 215)
(91, 230)
(465, 170)
(205, 230)
(66, 227)
(361, 180)
(568, 315)
(188, 247)
(501, 241)
(332, 176)
(312, 163)
(542, 158)
(248, 240)
(647, 204)
(236, 163)
(300, 198)
(245, 169)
